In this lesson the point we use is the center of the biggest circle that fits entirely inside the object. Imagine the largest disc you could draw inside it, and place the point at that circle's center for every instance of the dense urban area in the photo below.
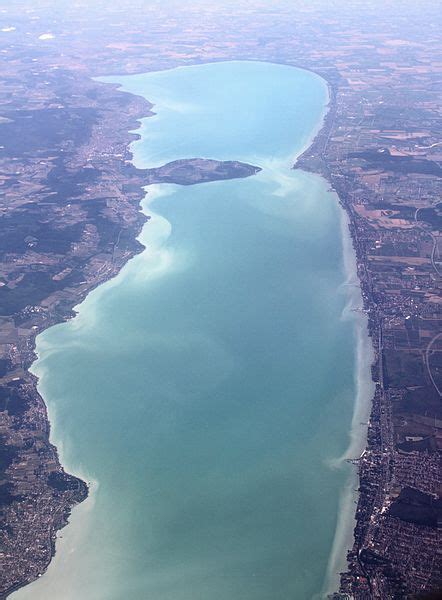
(69, 211)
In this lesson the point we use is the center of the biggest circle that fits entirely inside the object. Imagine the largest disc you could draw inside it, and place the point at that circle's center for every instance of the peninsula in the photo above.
(199, 170)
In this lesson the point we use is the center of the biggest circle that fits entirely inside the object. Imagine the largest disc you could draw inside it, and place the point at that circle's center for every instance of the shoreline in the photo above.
(312, 160)
(57, 314)
(68, 537)
(364, 356)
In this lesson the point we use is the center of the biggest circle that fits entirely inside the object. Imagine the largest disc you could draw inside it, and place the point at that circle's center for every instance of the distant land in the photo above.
(70, 218)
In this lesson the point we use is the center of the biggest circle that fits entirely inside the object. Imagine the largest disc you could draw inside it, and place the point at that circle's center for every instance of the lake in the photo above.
(208, 392)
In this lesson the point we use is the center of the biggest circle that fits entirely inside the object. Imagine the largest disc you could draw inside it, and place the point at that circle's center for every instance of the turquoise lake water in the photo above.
(208, 390)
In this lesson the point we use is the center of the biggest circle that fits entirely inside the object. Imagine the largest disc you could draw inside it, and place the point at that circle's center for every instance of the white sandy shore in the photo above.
(364, 387)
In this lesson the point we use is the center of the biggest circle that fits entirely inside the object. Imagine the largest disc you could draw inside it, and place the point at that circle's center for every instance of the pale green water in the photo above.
(208, 388)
